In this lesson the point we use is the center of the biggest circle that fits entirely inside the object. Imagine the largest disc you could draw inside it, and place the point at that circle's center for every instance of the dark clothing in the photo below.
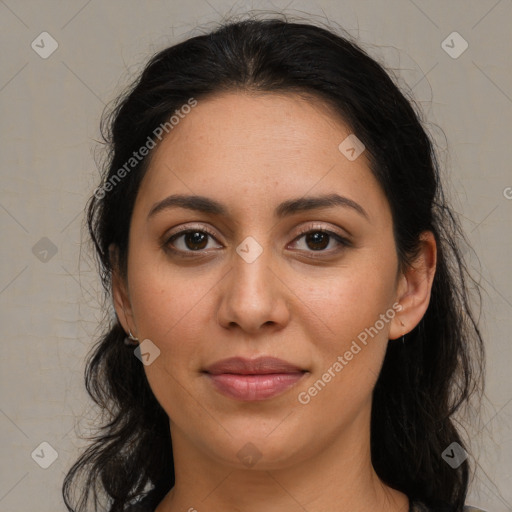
(415, 506)
(418, 506)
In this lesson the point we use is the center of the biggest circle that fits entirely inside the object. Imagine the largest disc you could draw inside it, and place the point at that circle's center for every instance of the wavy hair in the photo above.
(423, 382)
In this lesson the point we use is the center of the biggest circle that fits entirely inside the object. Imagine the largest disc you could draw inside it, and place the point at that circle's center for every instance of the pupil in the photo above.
(196, 238)
(316, 238)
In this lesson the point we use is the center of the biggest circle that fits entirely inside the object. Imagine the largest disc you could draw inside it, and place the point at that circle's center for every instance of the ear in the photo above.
(414, 288)
(120, 293)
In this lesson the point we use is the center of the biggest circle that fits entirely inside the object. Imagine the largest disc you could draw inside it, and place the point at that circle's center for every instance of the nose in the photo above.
(254, 296)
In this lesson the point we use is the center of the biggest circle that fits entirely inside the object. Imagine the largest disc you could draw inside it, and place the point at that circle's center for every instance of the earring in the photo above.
(131, 340)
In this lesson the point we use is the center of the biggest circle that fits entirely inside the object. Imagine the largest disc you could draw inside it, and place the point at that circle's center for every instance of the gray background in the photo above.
(51, 301)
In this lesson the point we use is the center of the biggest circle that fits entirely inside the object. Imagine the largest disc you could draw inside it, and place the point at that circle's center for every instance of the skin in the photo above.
(251, 152)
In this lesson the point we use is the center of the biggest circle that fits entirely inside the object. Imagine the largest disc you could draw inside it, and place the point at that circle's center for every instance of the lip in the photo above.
(253, 379)
(259, 366)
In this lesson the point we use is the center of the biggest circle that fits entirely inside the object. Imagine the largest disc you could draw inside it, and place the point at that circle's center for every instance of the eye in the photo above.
(189, 240)
(318, 239)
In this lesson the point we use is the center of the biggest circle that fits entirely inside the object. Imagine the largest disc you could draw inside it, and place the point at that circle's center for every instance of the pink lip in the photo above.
(256, 379)
(259, 366)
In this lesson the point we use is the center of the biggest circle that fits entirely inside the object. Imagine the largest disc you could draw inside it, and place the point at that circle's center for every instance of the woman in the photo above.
(292, 324)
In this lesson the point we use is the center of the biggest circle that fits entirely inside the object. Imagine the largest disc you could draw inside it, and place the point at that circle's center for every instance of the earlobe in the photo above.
(415, 286)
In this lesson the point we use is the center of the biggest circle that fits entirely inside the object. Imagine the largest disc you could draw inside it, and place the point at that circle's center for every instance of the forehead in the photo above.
(256, 120)
(252, 147)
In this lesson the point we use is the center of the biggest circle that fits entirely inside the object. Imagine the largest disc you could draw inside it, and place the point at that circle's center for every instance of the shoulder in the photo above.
(418, 506)
(140, 507)
(146, 503)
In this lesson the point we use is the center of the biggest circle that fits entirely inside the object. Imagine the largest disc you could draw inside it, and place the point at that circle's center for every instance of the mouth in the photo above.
(253, 380)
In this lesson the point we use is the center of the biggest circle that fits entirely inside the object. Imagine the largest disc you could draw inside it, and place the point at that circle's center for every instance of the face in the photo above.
(261, 275)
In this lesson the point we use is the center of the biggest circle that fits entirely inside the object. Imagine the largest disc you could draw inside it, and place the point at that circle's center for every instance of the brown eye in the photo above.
(195, 240)
(189, 240)
(317, 240)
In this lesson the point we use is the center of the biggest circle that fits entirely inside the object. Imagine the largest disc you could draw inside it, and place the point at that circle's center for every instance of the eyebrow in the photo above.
(285, 209)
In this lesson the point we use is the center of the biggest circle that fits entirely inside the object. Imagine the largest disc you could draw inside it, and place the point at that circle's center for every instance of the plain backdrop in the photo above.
(51, 103)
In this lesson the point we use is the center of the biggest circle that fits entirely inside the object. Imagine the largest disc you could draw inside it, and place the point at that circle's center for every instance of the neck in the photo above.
(339, 478)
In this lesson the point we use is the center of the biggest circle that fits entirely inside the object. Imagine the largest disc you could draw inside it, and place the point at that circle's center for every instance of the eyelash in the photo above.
(343, 242)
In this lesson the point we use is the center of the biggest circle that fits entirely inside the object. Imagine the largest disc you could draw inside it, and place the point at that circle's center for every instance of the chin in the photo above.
(261, 449)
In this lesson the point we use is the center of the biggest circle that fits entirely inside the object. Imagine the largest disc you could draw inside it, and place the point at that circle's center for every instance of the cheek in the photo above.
(352, 300)
(167, 299)
(348, 358)
(171, 311)
(347, 309)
